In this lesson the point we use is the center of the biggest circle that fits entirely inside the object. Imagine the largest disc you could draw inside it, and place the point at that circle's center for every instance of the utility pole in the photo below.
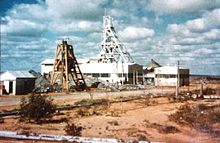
(178, 82)
(133, 77)
(201, 88)
(136, 77)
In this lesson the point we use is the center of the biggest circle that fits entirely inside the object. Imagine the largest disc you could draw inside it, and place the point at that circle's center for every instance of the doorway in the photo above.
(10, 87)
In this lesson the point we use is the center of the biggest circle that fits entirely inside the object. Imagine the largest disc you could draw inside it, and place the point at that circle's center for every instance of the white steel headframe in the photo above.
(112, 50)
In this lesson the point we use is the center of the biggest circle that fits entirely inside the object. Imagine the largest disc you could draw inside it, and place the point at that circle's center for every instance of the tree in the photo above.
(36, 107)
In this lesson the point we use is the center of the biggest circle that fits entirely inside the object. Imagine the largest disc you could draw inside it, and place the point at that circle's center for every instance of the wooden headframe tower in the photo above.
(66, 68)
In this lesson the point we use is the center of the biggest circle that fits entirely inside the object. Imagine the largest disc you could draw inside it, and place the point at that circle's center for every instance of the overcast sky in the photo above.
(163, 30)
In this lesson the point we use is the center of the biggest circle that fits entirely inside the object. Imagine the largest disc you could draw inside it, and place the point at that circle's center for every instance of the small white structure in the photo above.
(18, 82)
(47, 66)
(167, 76)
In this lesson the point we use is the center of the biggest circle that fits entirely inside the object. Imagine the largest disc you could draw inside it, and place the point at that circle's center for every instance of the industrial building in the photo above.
(113, 64)
(18, 82)
(47, 66)
(149, 72)
(168, 76)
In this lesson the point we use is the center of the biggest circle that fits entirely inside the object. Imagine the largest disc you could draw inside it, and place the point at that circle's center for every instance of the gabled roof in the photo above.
(12, 75)
(153, 64)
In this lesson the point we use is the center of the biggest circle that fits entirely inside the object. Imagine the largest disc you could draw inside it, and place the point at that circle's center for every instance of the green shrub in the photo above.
(36, 107)
(73, 130)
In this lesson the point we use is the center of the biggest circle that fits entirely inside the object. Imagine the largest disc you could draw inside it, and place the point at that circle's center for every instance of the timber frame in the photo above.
(66, 68)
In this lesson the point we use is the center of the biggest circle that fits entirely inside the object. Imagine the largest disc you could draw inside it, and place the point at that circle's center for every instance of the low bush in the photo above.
(199, 116)
(36, 107)
(73, 129)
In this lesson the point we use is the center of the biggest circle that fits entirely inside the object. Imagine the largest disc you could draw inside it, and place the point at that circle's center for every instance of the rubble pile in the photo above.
(130, 87)
(100, 84)
(41, 83)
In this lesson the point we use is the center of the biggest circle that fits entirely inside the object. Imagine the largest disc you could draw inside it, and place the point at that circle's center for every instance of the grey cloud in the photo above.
(181, 7)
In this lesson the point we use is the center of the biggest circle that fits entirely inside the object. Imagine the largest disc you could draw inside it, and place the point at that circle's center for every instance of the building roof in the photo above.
(51, 61)
(47, 61)
(12, 75)
(81, 61)
(171, 67)
(153, 64)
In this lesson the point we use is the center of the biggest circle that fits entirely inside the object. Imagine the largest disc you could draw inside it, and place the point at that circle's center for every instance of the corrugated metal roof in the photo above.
(21, 74)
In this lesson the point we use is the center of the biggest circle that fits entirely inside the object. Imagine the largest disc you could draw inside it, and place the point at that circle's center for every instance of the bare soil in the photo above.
(144, 119)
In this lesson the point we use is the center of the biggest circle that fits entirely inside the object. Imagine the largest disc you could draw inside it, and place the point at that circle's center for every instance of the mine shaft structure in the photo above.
(112, 50)
(66, 68)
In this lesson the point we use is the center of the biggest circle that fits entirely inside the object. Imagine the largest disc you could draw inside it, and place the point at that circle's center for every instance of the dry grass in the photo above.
(201, 117)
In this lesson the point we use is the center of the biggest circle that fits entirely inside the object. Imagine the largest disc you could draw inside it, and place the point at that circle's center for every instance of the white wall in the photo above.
(45, 69)
(170, 70)
(14, 88)
(165, 81)
(6, 84)
(104, 68)
(161, 81)
(111, 68)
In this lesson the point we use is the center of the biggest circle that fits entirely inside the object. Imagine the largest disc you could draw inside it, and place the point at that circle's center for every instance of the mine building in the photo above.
(17, 82)
(168, 76)
(149, 72)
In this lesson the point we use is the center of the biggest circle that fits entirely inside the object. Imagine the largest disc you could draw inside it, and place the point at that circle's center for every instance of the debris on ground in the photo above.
(165, 129)
(104, 85)
(42, 85)
(200, 117)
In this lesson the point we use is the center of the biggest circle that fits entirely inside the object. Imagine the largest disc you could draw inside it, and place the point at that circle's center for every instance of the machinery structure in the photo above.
(66, 68)
(113, 64)
(112, 49)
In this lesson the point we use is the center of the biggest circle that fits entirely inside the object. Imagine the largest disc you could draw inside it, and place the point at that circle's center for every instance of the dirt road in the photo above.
(15, 100)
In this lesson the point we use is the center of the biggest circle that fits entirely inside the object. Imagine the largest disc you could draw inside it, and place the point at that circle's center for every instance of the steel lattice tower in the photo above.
(112, 50)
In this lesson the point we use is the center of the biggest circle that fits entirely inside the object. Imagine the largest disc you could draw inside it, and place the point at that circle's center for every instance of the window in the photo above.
(87, 74)
(165, 76)
(105, 75)
(122, 75)
(172, 76)
(95, 75)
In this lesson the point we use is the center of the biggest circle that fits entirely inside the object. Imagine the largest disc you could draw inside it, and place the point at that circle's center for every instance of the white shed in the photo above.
(18, 82)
